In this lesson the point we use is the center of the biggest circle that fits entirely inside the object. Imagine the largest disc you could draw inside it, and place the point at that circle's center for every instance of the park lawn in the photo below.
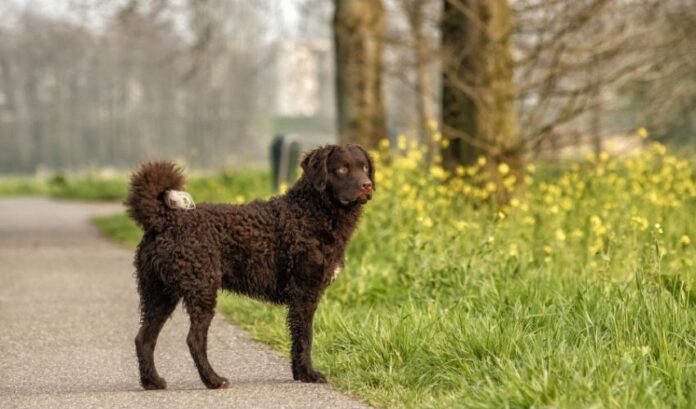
(579, 294)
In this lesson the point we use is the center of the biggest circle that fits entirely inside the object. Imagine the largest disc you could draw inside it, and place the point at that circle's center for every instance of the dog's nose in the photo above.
(367, 185)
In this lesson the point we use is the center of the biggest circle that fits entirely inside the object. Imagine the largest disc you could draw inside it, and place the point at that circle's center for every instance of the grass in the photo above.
(579, 294)
(85, 187)
(225, 186)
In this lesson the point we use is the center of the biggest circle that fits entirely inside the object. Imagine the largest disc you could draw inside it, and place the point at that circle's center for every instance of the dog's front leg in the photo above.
(300, 318)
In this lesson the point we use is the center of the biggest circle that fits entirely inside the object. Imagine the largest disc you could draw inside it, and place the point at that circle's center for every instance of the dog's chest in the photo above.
(336, 271)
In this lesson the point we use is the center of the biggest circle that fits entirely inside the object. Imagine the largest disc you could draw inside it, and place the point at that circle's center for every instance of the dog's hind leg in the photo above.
(156, 305)
(201, 309)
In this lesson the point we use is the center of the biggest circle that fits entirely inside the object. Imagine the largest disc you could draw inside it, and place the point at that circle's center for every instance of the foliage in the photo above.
(579, 293)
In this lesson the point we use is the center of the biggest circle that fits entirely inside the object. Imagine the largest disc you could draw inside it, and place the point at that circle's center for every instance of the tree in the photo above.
(416, 14)
(478, 94)
(358, 37)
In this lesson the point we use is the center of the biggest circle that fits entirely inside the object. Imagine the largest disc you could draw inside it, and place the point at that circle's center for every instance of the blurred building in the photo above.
(302, 90)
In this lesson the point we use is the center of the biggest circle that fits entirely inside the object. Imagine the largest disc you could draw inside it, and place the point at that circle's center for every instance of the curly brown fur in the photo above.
(283, 251)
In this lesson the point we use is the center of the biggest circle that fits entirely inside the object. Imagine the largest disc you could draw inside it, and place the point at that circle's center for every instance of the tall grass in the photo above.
(577, 294)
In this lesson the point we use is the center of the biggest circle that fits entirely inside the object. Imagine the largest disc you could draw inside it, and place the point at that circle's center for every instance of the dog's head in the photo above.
(345, 172)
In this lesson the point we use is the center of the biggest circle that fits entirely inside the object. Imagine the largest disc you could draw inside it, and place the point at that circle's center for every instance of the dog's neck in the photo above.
(338, 220)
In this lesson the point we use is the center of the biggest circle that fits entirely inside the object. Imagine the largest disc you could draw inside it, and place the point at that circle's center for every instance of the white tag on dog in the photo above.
(179, 200)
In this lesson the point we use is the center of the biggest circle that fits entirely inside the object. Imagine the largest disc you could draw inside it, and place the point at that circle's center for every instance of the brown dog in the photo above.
(285, 251)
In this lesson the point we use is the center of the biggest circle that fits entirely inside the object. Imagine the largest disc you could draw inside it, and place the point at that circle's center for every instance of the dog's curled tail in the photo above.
(149, 189)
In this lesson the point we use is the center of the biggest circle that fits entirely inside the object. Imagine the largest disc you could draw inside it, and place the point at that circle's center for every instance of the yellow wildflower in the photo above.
(503, 168)
(401, 142)
(685, 240)
(513, 251)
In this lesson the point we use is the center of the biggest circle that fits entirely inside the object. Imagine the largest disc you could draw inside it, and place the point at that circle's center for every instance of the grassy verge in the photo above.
(89, 187)
(577, 295)
(225, 186)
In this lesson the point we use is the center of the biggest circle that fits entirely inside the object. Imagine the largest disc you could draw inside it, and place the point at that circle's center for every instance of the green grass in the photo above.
(87, 187)
(224, 186)
(22, 186)
(578, 295)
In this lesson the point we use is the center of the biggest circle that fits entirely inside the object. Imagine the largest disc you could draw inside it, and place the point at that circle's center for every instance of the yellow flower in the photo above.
(384, 143)
(642, 132)
(514, 250)
(401, 142)
(659, 148)
(640, 222)
(685, 240)
(460, 225)
(481, 160)
(560, 235)
(432, 124)
(566, 203)
(503, 168)
(427, 222)
(438, 172)
(444, 143)
(437, 136)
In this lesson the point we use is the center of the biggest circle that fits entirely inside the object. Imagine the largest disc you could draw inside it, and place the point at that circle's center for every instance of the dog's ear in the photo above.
(315, 167)
(370, 163)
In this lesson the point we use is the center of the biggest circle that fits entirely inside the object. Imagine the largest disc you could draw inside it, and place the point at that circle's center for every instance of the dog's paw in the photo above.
(217, 383)
(151, 384)
(309, 376)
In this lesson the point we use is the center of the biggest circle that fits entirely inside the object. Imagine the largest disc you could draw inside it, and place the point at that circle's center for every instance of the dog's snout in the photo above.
(367, 185)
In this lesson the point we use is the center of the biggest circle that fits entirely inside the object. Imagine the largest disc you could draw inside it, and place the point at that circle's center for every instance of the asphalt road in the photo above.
(68, 316)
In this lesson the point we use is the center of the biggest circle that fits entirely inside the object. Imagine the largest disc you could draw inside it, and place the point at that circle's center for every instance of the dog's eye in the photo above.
(365, 169)
(343, 170)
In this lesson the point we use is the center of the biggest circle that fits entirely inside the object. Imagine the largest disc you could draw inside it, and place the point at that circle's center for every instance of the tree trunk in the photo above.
(415, 14)
(358, 38)
(478, 105)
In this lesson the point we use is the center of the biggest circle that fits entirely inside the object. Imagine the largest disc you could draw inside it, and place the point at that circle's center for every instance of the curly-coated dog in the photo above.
(286, 250)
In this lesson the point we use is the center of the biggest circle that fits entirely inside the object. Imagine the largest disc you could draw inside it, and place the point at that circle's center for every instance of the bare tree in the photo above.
(571, 55)
(664, 98)
(71, 97)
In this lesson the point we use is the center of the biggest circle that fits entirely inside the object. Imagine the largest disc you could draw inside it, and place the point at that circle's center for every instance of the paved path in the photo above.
(68, 315)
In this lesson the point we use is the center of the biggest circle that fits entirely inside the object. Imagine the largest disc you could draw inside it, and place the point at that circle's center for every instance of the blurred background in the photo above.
(94, 84)
(531, 239)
